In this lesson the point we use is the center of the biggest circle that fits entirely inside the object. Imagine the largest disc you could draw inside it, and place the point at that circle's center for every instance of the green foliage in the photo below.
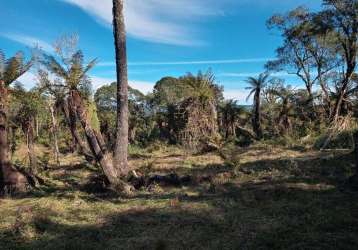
(92, 112)
(141, 123)
(73, 73)
(169, 90)
(342, 140)
(11, 69)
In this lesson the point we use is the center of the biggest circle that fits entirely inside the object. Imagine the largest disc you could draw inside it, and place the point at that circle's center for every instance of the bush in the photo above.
(342, 140)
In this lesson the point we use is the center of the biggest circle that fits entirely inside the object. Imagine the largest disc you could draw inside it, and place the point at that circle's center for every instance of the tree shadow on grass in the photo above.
(333, 170)
(233, 217)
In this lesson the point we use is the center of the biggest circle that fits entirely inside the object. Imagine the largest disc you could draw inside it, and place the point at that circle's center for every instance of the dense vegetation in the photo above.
(203, 172)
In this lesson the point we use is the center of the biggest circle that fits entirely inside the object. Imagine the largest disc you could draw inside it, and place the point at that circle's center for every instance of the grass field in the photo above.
(261, 198)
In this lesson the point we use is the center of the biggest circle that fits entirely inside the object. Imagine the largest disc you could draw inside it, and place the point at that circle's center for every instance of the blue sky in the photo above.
(165, 37)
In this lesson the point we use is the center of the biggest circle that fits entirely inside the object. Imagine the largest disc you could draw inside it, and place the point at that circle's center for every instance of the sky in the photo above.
(164, 37)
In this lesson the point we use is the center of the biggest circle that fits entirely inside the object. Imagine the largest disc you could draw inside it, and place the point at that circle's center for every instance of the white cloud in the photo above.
(161, 21)
(237, 94)
(98, 82)
(227, 61)
(28, 80)
(256, 74)
(29, 41)
(144, 86)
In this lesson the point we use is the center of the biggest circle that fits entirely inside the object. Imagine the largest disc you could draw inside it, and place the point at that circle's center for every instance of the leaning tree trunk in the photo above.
(345, 83)
(70, 116)
(102, 157)
(121, 145)
(11, 180)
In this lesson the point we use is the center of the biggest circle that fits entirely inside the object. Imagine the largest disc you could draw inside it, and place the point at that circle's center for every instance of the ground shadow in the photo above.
(236, 217)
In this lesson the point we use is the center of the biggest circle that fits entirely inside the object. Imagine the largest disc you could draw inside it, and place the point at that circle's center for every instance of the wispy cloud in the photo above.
(160, 21)
(239, 95)
(29, 41)
(254, 74)
(227, 61)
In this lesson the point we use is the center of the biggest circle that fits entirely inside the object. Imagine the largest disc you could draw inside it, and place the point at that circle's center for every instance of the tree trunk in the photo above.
(13, 141)
(326, 95)
(342, 92)
(70, 117)
(351, 63)
(102, 157)
(37, 126)
(54, 130)
(11, 180)
(121, 144)
(257, 116)
(28, 129)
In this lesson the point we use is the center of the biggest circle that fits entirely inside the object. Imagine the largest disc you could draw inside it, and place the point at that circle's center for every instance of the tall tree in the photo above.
(284, 94)
(293, 55)
(341, 18)
(53, 89)
(305, 52)
(230, 113)
(198, 111)
(73, 73)
(10, 70)
(121, 145)
(256, 86)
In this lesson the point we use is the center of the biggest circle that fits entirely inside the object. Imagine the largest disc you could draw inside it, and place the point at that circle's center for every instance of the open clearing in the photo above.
(268, 192)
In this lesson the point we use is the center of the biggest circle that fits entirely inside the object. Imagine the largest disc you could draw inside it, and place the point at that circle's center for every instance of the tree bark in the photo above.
(11, 180)
(121, 144)
(54, 130)
(257, 115)
(342, 92)
(28, 129)
(102, 157)
(70, 117)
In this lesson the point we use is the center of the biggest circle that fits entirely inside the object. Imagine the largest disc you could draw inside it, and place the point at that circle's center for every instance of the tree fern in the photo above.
(14, 67)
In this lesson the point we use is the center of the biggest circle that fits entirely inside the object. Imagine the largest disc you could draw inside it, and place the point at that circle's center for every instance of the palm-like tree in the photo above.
(256, 86)
(73, 72)
(230, 114)
(10, 70)
(200, 110)
(285, 94)
(56, 91)
(121, 145)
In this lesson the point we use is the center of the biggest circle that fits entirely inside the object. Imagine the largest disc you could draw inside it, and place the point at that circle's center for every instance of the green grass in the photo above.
(269, 198)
